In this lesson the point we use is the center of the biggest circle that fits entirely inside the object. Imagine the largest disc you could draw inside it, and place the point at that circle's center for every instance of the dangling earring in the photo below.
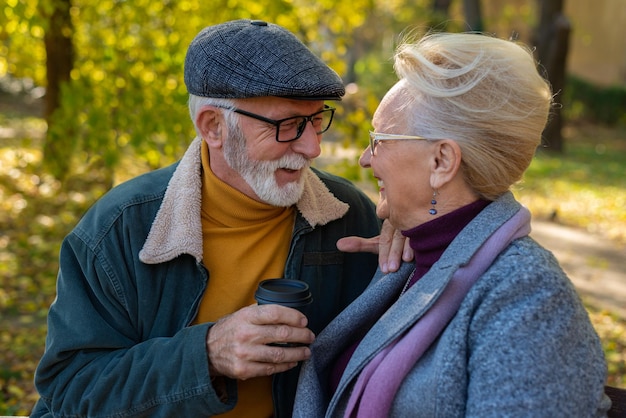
(433, 202)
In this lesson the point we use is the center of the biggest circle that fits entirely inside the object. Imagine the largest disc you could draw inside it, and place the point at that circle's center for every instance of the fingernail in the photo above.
(385, 268)
(393, 266)
(407, 256)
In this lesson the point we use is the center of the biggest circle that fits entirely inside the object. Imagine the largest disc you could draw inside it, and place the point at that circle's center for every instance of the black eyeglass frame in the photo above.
(300, 128)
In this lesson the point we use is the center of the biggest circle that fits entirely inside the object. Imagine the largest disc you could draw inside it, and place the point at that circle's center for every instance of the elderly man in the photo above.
(155, 313)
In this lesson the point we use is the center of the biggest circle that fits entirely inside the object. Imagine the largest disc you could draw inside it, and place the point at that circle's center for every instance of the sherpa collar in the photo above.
(177, 227)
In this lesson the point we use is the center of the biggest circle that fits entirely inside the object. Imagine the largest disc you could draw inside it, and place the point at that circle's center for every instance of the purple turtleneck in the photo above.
(428, 241)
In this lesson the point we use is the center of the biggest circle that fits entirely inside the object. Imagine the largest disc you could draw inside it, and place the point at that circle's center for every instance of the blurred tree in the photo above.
(473, 15)
(552, 41)
(441, 13)
(472, 19)
(59, 63)
(59, 50)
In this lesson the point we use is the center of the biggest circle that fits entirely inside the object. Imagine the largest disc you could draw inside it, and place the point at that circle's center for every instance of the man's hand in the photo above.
(238, 348)
(391, 246)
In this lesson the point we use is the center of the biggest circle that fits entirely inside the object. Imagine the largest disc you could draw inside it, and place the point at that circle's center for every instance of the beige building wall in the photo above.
(598, 40)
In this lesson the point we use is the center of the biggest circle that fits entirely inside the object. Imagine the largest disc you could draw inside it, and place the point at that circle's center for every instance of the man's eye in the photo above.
(317, 121)
(289, 124)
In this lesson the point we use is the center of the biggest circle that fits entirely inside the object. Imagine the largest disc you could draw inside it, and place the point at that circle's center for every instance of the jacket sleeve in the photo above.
(98, 362)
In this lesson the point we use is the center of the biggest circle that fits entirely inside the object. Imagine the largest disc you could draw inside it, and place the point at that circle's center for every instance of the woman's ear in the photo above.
(210, 122)
(446, 163)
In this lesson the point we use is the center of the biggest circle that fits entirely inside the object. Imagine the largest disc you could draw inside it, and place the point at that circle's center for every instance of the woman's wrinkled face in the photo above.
(400, 166)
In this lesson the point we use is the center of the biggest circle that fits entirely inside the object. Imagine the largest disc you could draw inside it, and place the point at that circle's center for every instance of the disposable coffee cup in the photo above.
(285, 292)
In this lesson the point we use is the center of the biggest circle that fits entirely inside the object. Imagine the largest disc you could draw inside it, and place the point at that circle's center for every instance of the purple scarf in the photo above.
(379, 381)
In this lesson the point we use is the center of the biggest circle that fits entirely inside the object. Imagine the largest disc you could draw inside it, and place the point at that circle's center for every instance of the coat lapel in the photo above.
(336, 337)
(364, 310)
(403, 314)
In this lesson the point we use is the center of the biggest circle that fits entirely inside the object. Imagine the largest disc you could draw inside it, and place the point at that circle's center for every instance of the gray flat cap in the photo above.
(252, 58)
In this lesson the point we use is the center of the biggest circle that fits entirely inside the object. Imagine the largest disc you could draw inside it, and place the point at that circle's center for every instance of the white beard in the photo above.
(260, 175)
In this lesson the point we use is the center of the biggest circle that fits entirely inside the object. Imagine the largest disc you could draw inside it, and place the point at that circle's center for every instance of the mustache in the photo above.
(290, 162)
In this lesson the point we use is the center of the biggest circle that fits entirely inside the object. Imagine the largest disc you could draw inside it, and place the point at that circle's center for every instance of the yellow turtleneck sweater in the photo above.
(244, 242)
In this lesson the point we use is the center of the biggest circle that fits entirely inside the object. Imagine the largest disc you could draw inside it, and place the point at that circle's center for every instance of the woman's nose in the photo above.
(366, 155)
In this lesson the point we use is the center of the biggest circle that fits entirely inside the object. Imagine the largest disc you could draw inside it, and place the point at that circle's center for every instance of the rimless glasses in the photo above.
(375, 138)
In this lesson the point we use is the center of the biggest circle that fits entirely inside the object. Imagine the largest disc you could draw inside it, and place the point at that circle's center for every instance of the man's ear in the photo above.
(211, 123)
(446, 162)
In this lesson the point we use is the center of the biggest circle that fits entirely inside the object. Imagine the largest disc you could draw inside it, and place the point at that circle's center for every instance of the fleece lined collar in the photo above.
(177, 227)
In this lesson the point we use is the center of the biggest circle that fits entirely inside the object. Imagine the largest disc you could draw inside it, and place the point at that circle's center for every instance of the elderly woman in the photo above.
(484, 323)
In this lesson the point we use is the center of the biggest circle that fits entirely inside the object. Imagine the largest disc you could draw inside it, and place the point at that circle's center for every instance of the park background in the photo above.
(91, 93)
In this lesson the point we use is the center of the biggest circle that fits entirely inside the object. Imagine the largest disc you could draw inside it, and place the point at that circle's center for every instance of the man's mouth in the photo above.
(288, 175)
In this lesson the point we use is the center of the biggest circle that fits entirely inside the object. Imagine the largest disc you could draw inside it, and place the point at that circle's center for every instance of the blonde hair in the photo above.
(484, 93)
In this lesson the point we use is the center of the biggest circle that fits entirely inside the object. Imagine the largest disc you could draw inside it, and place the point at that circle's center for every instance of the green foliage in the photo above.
(605, 105)
(36, 212)
(586, 186)
(126, 93)
(22, 52)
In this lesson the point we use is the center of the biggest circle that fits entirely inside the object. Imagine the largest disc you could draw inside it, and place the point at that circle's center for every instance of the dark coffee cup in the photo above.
(285, 292)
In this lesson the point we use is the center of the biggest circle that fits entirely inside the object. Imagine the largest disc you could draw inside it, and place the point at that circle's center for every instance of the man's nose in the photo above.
(309, 142)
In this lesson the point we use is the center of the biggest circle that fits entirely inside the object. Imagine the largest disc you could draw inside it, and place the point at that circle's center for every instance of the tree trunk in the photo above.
(552, 42)
(441, 14)
(473, 15)
(441, 6)
(59, 64)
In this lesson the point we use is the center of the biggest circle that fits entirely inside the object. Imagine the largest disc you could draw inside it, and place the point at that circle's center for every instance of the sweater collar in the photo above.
(234, 209)
(429, 240)
(177, 227)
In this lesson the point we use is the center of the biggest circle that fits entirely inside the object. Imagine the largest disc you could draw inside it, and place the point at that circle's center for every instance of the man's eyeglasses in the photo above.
(375, 138)
(292, 128)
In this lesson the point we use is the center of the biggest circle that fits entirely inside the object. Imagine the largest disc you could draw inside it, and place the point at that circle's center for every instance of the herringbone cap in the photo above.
(252, 58)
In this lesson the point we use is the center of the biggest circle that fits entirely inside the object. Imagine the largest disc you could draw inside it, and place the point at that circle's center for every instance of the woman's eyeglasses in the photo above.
(375, 138)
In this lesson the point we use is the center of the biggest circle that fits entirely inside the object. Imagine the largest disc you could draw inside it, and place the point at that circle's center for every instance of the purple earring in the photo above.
(433, 202)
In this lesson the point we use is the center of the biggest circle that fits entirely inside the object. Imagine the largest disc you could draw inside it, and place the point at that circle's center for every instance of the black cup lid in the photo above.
(283, 291)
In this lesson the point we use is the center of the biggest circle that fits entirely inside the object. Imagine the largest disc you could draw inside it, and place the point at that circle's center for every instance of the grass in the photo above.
(586, 189)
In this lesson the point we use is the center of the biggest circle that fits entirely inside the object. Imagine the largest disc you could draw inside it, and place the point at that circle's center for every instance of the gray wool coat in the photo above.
(520, 345)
